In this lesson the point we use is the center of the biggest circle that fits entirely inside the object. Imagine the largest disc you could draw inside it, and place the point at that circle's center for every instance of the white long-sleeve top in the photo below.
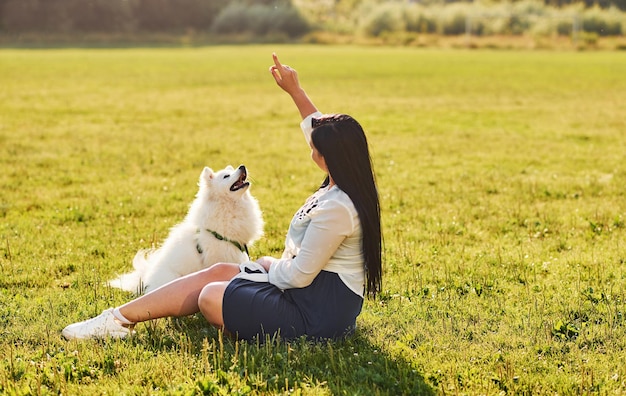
(325, 234)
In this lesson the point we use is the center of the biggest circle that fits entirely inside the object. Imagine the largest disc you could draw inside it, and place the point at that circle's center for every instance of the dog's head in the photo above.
(224, 204)
(226, 181)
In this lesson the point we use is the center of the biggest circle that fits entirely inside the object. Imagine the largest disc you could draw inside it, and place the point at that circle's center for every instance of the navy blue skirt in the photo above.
(326, 309)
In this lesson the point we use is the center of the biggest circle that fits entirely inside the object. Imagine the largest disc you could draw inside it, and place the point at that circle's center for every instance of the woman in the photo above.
(332, 257)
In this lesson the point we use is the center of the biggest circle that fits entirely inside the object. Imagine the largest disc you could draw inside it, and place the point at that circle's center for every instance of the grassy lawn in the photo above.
(502, 179)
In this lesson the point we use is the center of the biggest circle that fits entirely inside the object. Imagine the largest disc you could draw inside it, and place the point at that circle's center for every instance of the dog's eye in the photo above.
(226, 176)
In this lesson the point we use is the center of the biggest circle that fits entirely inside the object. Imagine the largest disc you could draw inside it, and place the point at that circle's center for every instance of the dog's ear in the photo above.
(207, 173)
(230, 168)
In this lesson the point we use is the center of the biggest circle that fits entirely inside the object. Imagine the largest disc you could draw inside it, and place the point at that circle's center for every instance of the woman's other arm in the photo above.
(331, 223)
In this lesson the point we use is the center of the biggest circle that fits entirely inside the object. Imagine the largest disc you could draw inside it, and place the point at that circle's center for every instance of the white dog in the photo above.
(222, 222)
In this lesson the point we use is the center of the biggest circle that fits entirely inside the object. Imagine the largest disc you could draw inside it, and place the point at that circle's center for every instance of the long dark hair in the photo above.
(340, 139)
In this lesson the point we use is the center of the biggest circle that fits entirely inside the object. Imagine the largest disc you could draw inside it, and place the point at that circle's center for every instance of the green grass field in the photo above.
(502, 179)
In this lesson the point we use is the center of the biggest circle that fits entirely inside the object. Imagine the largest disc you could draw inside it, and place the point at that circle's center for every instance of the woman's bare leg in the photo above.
(210, 303)
(179, 297)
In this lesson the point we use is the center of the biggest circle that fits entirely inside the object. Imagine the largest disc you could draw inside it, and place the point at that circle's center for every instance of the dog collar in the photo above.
(243, 248)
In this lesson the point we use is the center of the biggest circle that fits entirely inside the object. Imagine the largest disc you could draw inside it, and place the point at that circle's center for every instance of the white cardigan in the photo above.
(325, 234)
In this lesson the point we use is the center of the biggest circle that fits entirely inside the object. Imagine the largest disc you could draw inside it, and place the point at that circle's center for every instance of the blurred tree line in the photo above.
(621, 4)
(258, 17)
(129, 16)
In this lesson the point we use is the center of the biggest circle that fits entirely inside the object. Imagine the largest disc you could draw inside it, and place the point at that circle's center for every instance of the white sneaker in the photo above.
(102, 326)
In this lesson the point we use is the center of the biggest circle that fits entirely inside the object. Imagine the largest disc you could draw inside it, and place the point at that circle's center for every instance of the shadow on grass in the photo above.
(353, 366)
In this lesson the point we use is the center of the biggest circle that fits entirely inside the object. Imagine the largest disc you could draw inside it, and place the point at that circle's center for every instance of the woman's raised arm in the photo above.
(287, 79)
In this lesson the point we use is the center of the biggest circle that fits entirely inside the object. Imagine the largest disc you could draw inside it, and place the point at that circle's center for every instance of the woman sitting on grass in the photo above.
(332, 257)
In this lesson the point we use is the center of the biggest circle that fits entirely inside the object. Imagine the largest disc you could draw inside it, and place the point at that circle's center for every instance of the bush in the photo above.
(92, 16)
(602, 22)
(170, 15)
(291, 22)
(564, 28)
(528, 7)
(260, 19)
(418, 19)
(386, 18)
(454, 18)
(232, 19)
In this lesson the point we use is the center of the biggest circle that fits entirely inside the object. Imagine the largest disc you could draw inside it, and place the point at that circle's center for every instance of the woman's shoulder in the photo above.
(335, 196)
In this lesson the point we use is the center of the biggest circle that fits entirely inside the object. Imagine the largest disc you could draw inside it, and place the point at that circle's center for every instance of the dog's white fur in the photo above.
(235, 215)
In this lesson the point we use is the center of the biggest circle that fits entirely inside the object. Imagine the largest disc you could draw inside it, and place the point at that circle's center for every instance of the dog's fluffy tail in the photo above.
(133, 281)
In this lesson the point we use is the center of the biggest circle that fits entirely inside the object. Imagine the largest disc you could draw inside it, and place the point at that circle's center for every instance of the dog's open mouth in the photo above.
(241, 182)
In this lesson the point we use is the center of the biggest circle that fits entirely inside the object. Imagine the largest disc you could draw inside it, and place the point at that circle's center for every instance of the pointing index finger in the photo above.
(276, 61)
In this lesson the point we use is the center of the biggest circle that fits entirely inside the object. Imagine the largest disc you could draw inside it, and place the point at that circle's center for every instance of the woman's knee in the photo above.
(210, 302)
(222, 271)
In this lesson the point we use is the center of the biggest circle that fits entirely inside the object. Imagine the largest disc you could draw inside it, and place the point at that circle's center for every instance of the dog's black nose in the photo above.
(242, 168)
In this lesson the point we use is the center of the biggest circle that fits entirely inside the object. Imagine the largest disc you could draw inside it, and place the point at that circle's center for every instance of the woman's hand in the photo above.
(285, 77)
(265, 262)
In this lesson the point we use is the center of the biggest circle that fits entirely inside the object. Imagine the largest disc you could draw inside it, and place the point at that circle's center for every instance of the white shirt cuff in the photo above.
(307, 125)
